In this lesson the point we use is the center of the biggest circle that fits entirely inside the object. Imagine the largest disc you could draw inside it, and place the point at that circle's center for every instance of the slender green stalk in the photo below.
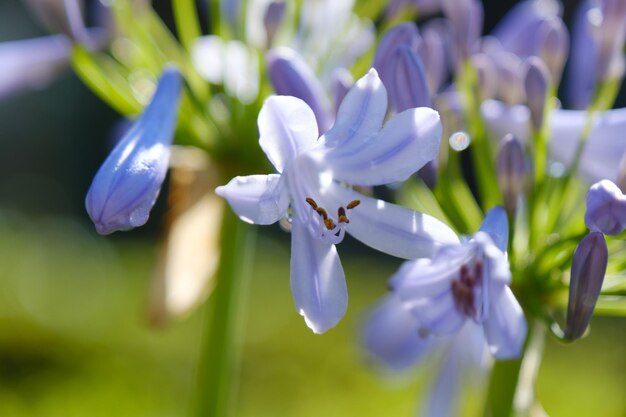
(187, 24)
(218, 366)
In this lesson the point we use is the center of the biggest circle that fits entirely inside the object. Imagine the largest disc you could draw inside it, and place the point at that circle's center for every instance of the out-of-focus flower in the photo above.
(511, 170)
(128, 182)
(604, 147)
(291, 76)
(272, 20)
(390, 337)
(230, 63)
(588, 269)
(466, 282)
(536, 83)
(32, 63)
(467, 22)
(597, 48)
(308, 189)
(606, 208)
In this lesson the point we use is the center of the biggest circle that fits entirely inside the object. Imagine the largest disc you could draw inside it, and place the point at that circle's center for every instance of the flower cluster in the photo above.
(494, 229)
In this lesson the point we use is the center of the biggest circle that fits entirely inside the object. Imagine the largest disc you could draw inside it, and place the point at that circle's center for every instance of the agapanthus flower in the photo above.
(311, 186)
(128, 182)
(395, 336)
(604, 147)
(463, 282)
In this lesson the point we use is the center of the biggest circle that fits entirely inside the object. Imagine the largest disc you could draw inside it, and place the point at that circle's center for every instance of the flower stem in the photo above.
(219, 360)
(511, 387)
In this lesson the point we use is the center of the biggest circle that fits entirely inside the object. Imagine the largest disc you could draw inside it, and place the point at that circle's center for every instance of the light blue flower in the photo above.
(128, 182)
(310, 187)
(467, 282)
(604, 148)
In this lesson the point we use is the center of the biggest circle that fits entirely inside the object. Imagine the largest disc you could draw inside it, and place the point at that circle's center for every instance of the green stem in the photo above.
(502, 388)
(218, 366)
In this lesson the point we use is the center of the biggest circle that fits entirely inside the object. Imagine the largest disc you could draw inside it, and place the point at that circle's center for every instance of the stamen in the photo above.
(311, 202)
(330, 225)
(341, 215)
(352, 204)
(322, 213)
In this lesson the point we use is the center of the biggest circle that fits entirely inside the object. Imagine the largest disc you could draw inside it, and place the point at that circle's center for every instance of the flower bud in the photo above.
(487, 76)
(606, 208)
(404, 34)
(128, 182)
(536, 82)
(428, 173)
(553, 40)
(273, 18)
(588, 269)
(611, 45)
(511, 170)
(341, 82)
(409, 87)
(467, 20)
(510, 78)
(291, 76)
(433, 53)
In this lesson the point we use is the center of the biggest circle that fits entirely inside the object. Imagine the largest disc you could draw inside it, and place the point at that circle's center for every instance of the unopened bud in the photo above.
(433, 53)
(405, 34)
(554, 46)
(536, 82)
(291, 76)
(511, 170)
(487, 76)
(128, 183)
(273, 18)
(409, 87)
(606, 208)
(588, 269)
(613, 33)
(510, 78)
(341, 82)
(428, 173)
(467, 20)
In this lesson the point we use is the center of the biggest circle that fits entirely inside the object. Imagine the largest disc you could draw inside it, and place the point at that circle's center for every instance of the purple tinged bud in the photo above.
(433, 53)
(428, 173)
(290, 75)
(487, 76)
(588, 269)
(511, 170)
(409, 87)
(606, 208)
(510, 78)
(612, 36)
(536, 83)
(128, 182)
(404, 34)
(553, 40)
(467, 20)
(274, 15)
(341, 82)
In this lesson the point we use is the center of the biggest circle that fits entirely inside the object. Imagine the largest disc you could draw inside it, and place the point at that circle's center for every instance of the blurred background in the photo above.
(75, 339)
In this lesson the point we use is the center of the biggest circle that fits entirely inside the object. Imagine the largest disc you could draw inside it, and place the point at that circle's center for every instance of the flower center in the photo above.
(331, 231)
(465, 288)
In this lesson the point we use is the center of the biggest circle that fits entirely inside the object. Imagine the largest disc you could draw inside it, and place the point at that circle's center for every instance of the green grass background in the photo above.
(74, 339)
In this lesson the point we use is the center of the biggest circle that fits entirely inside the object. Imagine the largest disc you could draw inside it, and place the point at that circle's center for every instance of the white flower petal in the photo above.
(496, 225)
(505, 327)
(287, 126)
(259, 199)
(318, 283)
(390, 228)
(360, 115)
(404, 145)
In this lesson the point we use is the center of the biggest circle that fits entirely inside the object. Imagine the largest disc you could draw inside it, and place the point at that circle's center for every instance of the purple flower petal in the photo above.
(606, 208)
(505, 327)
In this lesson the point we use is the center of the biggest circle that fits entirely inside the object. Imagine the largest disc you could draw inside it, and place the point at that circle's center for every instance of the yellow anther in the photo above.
(312, 203)
(352, 204)
(330, 225)
(322, 213)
